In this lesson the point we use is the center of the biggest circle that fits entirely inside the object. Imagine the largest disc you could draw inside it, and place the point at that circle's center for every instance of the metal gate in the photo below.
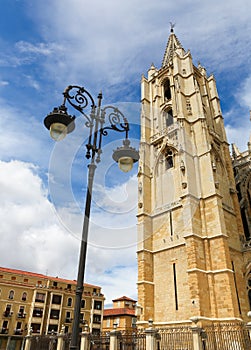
(175, 338)
(226, 336)
(132, 340)
(43, 343)
(99, 341)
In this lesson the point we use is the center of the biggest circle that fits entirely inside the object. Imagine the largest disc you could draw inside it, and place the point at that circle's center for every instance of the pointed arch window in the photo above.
(167, 90)
(168, 115)
(168, 159)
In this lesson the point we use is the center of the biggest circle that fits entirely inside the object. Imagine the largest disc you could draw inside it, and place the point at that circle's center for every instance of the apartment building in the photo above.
(44, 304)
(121, 316)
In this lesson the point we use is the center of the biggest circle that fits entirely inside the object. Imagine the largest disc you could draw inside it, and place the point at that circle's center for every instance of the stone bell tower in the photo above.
(190, 232)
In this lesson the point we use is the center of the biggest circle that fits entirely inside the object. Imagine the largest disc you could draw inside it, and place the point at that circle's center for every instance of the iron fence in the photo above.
(132, 340)
(99, 341)
(43, 342)
(226, 336)
(66, 341)
(175, 338)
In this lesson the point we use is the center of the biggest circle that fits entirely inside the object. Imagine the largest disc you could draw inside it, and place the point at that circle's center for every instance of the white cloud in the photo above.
(38, 49)
(4, 83)
(33, 239)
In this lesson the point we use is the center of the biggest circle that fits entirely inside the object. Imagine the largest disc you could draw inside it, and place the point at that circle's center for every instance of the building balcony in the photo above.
(18, 331)
(54, 317)
(7, 313)
(68, 320)
(21, 315)
(37, 300)
(4, 330)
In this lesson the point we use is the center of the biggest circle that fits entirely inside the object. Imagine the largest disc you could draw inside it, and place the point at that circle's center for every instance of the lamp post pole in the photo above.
(59, 122)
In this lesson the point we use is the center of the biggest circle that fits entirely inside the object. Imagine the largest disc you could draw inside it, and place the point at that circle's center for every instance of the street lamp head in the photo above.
(59, 122)
(125, 156)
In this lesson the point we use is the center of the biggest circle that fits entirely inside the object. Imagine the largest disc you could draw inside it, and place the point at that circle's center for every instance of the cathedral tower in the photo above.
(190, 232)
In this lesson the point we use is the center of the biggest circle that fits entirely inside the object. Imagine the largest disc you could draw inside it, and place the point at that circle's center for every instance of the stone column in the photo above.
(249, 324)
(197, 342)
(85, 341)
(151, 337)
(27, 344)
(114, 340)
(60, 337)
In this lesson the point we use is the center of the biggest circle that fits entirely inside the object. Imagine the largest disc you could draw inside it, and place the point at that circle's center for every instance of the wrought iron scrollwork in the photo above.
(79, 98)
(116, 119)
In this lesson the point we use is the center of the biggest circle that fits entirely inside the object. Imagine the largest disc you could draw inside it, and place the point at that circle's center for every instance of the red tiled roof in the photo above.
(124, 298)
(119, 311)
(39, 275)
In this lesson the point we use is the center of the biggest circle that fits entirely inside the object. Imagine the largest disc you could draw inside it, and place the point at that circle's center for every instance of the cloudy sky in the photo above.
(101, 45)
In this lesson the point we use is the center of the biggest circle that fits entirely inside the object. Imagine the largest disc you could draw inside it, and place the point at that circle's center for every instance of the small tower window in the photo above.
(188, 105)
(168, 159)
(168, 115)
(167, 90)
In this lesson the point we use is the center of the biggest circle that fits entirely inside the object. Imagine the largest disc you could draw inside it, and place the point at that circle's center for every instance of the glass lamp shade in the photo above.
(125, 164)
(58, 131)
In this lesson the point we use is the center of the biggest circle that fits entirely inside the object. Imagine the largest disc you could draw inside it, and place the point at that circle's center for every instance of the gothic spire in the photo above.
(172, 44)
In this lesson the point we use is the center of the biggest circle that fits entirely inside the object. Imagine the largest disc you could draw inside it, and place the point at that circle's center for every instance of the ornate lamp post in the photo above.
(60, 123)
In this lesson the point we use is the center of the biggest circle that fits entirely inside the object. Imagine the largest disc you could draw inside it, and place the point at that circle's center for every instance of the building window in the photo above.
(56, 299)
(40, 297)
(53, 328)
(108, 323)
(69, 302)
(55, 284)
(168, 159)
(171, 223)
(168, 117)
(167, 90)
(67, 317)
(7, 311)
(175, 287)
(82, 303)
(68, 286)
(18, 330)
(35, 327)
(24, 296)
(97, 305)
(4, 329)
(11, 294)
(13, 278)
(134, 321)
(82, 318)
(97, 318)
(54, 314)
(188, 105)
(37, 312)
(26, 280)
(21, 313)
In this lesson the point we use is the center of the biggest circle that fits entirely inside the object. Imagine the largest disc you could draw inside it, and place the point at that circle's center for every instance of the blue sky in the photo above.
(47, 45)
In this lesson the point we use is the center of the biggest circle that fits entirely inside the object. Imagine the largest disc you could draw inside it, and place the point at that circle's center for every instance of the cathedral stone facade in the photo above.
(193, 251)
